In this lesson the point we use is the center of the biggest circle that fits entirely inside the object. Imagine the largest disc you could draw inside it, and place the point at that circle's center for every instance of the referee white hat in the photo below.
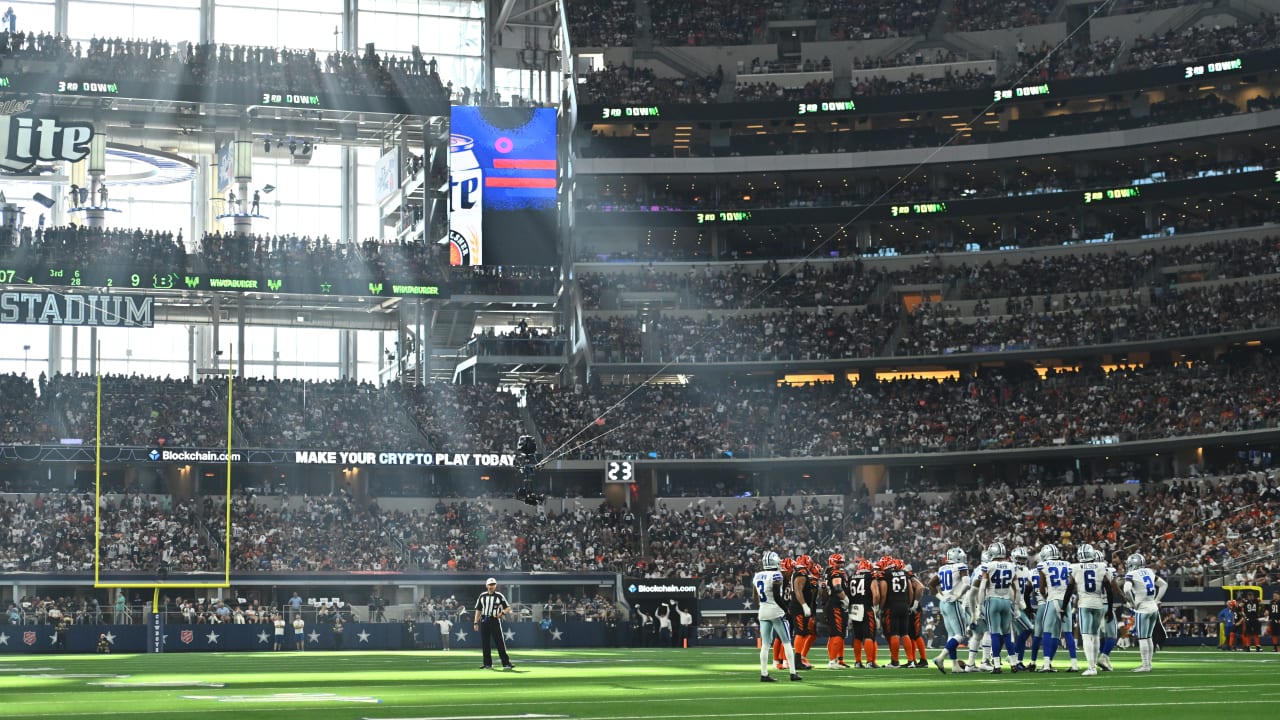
(491, 581)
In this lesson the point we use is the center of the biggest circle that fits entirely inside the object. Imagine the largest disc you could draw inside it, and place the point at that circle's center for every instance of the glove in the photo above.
(808, 611)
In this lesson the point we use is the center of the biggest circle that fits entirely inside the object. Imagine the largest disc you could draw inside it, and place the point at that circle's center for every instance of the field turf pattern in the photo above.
(618, 684)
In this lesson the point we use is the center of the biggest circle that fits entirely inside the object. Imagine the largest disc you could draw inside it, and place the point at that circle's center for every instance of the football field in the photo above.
(616, 684)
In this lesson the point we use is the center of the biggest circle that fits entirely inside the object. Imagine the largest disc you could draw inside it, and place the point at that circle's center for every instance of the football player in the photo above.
(769, 591)
(1143, 590)
(864, 598)
(787, 568)
(836, 602)
(1023, 622)
(950, 585)
(804, 592)
(1251, 608)
(895, 608)
(1055, 574)
(915, 620)
(978, 622)
(1003, 601)
(1273, 621)
(1089, 576)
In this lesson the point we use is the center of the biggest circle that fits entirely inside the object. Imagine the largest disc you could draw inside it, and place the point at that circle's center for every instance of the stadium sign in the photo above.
(338, 457)
(24, 141)
(51, 308)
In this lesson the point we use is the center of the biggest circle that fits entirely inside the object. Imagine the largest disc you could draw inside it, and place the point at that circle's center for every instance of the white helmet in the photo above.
(986, 556)
(1049, 552)
(1021, 555)
(996, 551)
(956, 555)
(1086, 553)
(771, 560)
(1135, 561)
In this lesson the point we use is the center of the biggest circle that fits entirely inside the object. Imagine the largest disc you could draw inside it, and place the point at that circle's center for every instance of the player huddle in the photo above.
(1003, 605)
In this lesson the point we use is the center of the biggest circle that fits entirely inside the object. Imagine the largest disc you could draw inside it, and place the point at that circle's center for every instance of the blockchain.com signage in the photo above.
(24, 141)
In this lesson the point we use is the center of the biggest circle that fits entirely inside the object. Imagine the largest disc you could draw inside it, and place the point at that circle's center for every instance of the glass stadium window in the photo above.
(25, 350)
(367, 215)
(291, 353)
(159, 351)
(451, 31)
(298, 24)
(306, 197)
(172, 20)
(31, 16)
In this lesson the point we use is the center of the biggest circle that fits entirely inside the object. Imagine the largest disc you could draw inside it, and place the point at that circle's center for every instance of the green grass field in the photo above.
(620, 684)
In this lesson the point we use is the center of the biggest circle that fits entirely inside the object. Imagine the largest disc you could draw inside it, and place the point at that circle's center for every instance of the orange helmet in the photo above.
(864, 565)
(1233, 604)
(804, 561)
(836, 560)
(885, 562)
(898, 564)
(787, 565)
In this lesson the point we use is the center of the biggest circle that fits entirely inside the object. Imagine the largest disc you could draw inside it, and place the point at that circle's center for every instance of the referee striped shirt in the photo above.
(490, 605)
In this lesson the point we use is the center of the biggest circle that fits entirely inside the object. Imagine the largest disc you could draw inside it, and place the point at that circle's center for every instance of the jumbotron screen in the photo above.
(503, 175)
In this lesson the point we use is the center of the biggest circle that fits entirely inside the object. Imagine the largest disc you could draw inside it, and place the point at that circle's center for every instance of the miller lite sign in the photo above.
(24, 141)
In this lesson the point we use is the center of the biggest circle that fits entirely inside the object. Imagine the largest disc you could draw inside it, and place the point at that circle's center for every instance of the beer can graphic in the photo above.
(466, 203)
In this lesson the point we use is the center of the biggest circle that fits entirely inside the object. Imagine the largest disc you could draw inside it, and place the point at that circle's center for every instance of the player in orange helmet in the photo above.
(836, 602)
(804, 592)
(895, 607)
(864, 597)
(787, 566)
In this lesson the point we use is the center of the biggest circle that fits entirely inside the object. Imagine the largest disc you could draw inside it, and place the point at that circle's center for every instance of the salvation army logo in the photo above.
(631, 588)
(153, 455)
(29, 637)
(188, 636)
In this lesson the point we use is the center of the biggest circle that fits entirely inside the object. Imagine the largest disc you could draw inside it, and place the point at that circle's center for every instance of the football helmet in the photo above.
(997, 551)
(1086, 553)
(1050, 552)
(836, 561)
(1135, 561)
(803, 562)
(956, 555)
(986, 556)
(1020, 555)
(771, 560)
(864, 565)
(1233, 604)
(787, 565)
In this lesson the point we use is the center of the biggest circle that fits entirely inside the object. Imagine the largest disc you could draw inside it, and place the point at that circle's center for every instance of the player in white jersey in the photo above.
(1001, 602)
(1028, 582)
(972, 603)
(1143, 590)
(768, 584)
(1090, 577)
(950, 585)
(1055, 574)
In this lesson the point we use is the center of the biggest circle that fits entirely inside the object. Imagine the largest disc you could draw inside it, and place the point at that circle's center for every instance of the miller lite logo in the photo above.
(188, 636)
(24, 141)
(29, 637)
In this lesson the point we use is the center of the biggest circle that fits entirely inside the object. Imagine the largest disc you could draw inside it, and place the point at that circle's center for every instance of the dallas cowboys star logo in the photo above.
(508, 634)
(555, 634)
(364, 636)
(313, 636)
(262, 638)
(461, 635)
(4, 639)
(212, 637)
(111, 638)
(746, 604)
(53, 639)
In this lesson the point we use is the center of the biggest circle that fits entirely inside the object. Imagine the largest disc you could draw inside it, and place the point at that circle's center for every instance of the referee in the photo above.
(490, 607)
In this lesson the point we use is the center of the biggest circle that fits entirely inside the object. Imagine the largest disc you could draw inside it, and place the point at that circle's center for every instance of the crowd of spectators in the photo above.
(630, 85)
(992, 410)
(1197, 41)
(869, 19)
(970, 15)
(209, 65)
(772, 92)
(1193, 530)
(143, 533)
(711, 22)
(601, 23)
(137, 410)
(296, 414)
(463, 417)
